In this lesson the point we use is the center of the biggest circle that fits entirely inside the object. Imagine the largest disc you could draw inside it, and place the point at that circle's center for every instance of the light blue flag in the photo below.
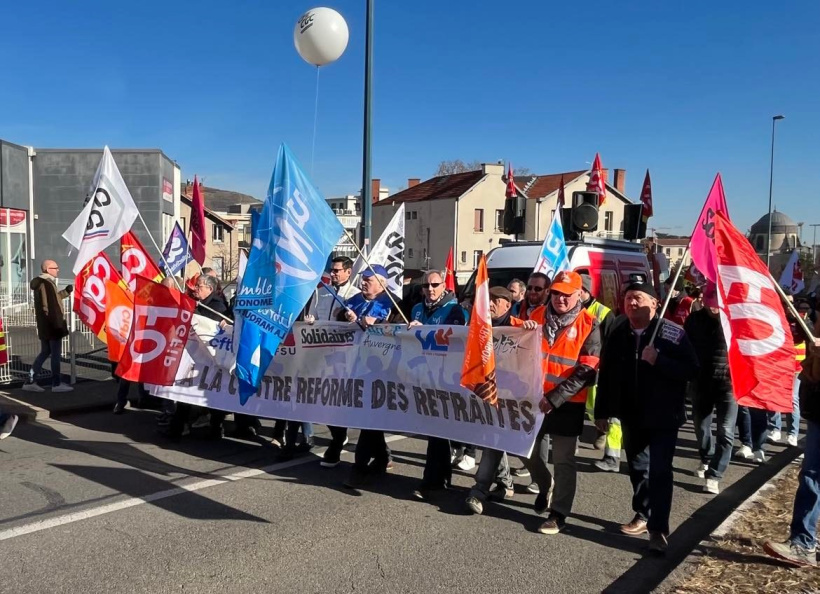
(553, 258)
(297, 231)
(177, 252)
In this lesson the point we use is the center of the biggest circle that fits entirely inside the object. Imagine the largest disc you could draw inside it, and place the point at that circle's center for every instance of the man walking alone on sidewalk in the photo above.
(51, 326)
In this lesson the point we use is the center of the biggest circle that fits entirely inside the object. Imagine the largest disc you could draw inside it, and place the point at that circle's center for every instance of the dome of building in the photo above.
(781, 223)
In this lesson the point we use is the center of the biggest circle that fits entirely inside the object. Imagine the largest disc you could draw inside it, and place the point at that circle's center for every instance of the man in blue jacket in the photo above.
(644, 385)
(372, 306)
(439, 308)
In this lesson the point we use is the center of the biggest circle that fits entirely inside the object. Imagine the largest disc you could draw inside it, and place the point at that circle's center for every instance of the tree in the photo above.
(459, 166)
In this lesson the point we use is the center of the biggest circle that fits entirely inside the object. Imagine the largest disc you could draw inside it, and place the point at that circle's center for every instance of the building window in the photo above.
(409, 252)
(407, 215)
(478, 220)
(218, 234)
(668, 251)
(680, 252)
(476, 257)
(182, 223)
(608, 220)
(499, 220)
(464, 257)
(759, 243)
(415, 214)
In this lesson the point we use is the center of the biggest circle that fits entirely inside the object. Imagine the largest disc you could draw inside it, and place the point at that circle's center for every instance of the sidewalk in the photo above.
(31, 406)
(732, 561)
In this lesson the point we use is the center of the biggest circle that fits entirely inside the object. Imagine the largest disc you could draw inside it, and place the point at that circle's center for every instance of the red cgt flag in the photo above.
(135, 261)
(597, 180)
(449, 269)
(160, 327)
(478, 370)
(511, 191)
(646, 198)
(91, 293)
(198, 224)
(761, 349)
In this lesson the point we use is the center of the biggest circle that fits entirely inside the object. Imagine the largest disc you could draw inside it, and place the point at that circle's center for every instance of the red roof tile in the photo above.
(436, 188)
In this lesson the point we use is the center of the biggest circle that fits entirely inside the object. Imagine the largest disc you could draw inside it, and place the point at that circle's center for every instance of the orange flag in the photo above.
(119, 314)
(478, 371)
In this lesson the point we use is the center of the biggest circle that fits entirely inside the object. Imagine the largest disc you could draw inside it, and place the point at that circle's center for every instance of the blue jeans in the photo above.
(715, 452)
(774, 418)
(751, 424)
(493, 468)
(807, 501)
(48, 348)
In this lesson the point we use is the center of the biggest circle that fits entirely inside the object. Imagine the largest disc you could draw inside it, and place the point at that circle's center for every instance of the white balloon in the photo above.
(321, 36)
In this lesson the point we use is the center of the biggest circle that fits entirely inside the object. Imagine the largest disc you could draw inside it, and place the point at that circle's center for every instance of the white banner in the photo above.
(389, 252)
(388, 378)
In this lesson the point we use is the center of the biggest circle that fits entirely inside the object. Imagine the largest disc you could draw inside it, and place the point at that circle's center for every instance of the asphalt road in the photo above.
(98, 503)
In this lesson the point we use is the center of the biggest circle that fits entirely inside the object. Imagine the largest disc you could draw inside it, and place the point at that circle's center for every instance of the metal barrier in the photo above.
(83, 352)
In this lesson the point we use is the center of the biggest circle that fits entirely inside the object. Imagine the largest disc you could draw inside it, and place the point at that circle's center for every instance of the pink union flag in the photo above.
(702, 246)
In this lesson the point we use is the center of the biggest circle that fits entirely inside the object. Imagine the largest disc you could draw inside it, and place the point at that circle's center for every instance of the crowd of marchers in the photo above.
(635, 376)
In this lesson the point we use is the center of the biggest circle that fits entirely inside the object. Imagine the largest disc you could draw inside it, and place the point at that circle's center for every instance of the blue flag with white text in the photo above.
(177, 252)
(553, 258)
(297, 231)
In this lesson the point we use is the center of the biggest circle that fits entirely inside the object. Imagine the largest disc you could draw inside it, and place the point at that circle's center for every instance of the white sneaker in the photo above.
(712, 486)
(792, 440)
(32, 387)
(744, 452)
(8, 426)
(533, 488)
(774, 436)
(759, 456)
(62, 388)
(701, 471)
(467, 463)
(345, 442)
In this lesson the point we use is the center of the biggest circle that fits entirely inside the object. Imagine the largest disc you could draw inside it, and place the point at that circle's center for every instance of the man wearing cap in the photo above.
(713, 391)
(440, 307)
(571, 347)
(372, 306)
(642, 382)
(494, 466)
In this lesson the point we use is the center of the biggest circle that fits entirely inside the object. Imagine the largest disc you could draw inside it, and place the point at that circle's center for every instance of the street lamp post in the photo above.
(771, 180)
(367, 198)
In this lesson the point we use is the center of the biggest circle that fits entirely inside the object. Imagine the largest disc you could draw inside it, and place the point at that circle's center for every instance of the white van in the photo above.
(610, 263)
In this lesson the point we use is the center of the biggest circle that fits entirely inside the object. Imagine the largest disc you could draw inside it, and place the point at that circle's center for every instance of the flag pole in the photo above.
(792, 309)
(386, 290)
(668, 297)
(168, 268)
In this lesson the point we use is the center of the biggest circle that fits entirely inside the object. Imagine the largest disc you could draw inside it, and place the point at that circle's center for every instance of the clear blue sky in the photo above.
(685, 89)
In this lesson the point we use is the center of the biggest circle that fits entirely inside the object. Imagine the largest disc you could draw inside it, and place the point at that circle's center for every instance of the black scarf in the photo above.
(555, 322)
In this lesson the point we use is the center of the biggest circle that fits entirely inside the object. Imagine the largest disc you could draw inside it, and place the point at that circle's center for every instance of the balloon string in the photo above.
(315, 120)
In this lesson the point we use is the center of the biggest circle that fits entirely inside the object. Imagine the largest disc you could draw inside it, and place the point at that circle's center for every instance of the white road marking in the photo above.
(135, 501)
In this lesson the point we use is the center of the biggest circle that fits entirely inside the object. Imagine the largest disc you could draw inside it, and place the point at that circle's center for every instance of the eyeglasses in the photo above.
(53, 268)
(535, 289)
(429, 285)
(336, 270)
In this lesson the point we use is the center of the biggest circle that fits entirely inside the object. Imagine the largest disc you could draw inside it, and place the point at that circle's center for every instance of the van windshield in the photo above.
(498, 277)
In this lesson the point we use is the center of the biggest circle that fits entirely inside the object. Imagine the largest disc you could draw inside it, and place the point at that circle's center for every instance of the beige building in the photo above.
(671, 247)
(221, 248)
(348, 209)
(464, 211)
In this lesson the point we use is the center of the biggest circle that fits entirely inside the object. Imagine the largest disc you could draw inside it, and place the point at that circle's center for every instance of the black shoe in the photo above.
(305, 446)
(215, 434)
(356, 480)
(375, 467)
(331, 459)
(243, 433)
(424, 493)
(119, 408)
(285, 454)
(554, 524)
(541, 503)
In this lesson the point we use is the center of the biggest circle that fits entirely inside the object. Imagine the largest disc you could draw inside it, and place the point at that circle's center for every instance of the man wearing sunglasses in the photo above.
(535, 298)
(323, 304)
(439, 308)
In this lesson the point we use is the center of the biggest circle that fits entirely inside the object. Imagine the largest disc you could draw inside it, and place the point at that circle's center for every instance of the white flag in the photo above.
(389, 252)
(792, 277)
(107, 215)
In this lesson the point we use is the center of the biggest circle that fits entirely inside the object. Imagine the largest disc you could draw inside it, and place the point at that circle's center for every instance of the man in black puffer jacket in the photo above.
(713, 392)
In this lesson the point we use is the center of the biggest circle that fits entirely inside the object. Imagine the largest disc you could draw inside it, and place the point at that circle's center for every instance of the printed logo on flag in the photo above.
(437, 341)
